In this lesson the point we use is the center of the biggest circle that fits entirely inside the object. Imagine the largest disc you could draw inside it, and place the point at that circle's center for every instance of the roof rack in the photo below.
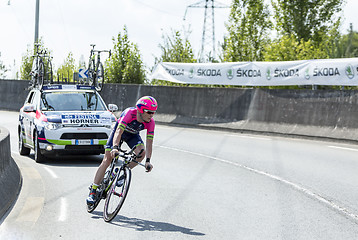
(67, 87)
(59, 83)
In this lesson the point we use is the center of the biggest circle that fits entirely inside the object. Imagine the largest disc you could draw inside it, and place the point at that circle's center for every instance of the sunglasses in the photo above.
(148, 111)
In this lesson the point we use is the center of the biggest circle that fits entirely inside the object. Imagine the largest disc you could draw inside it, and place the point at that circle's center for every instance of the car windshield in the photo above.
(71, 101)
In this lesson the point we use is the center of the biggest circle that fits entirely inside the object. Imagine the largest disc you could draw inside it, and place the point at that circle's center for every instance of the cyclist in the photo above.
(127, 128)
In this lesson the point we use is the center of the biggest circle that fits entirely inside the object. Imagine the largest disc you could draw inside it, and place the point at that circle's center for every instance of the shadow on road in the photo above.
(146, 225)
(71, 160)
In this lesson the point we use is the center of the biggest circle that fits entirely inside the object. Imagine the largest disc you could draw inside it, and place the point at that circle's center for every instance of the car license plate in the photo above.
(84, 142)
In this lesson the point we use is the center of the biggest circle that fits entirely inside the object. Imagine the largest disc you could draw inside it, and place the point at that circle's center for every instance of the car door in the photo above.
(28, 119)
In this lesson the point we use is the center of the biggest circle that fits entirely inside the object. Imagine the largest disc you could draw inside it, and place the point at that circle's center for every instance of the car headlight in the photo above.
(53, 126)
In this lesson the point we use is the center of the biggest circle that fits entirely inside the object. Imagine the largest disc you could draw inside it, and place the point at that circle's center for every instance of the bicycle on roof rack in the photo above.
(41, 72)
(95, 68)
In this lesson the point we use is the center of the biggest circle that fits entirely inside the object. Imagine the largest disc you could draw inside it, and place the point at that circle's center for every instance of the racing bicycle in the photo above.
(41, 71)
(95, 69)
(115, 184)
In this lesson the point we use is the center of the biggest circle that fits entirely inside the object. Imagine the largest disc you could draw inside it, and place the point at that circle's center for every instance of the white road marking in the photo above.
(344, 148)
(246, 136)
(310, 193)
(63, 210)
(52, 173)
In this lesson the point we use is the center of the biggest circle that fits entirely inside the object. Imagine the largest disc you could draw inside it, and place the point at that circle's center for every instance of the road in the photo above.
(205, 185)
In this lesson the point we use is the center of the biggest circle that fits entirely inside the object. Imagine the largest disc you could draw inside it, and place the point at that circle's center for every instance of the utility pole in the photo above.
(37, 21)
(208, 36)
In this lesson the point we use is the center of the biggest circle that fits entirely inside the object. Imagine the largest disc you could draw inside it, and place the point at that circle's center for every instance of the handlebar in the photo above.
(98, 51)
(101, 51)
(130, 155)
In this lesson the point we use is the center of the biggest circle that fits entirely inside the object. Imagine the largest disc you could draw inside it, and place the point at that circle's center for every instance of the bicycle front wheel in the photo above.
(98, 84)
(91, 73)
(117, 194)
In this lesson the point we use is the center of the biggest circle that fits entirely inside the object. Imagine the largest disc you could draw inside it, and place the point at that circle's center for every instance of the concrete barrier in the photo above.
(329, 114)
(10, 178)
(13, 94)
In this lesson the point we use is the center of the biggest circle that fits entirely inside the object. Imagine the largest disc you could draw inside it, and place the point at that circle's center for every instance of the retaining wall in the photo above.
(13, 94)
(10, 178)
(312, 113)
(330, 114)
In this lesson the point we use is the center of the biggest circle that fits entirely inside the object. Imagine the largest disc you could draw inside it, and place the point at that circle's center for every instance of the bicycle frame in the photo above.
(125, 158)
(38, 72)
(95, 68)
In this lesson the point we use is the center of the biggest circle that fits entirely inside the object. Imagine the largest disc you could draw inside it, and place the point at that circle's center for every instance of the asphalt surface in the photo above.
(204, 185)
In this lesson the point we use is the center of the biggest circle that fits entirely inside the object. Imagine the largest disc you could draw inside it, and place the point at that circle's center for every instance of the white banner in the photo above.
(340, 72)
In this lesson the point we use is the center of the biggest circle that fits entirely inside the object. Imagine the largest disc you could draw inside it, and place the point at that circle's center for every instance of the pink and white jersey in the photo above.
(129, 123)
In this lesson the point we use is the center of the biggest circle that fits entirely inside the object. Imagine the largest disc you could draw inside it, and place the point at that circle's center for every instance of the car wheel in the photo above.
(39, 158)
(24, 151)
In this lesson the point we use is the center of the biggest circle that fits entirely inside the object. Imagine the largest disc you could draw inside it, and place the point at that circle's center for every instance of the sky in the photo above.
(72, 25)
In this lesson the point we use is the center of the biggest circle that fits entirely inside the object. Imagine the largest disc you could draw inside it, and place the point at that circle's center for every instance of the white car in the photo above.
(64, 119)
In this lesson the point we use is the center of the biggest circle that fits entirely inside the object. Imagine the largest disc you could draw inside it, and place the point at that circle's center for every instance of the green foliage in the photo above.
(26, 65)
(287, 48)
(66, 70)
(348, 45)
(176, 49)
(125, 65)
(3, 69)
(306, 19)
(248, 31)
(27, 60)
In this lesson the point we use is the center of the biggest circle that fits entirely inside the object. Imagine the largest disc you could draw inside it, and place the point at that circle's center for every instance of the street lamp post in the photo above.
(37, 21)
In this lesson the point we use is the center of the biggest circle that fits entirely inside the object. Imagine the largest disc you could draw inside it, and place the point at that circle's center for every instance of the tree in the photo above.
(66, 70)
(3, 69)
(26, 65)
(176, 49)
(27, 60)
(287, 48)
(306, 19)
(248, 31)
(349, 44)
(125, 64)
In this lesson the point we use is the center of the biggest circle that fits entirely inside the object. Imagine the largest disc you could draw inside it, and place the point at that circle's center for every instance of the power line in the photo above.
(208, 36)
(155, 8)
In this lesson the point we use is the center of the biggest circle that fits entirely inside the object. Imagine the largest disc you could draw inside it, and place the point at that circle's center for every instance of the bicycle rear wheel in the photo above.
(98, 83)
(49, 75)
(117, 194)
(41, 75)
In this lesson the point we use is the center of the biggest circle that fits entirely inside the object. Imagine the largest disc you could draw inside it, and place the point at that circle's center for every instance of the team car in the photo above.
(64, 119)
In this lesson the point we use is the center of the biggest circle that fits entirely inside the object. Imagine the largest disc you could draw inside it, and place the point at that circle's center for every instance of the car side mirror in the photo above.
(112, 107)
(29, 108)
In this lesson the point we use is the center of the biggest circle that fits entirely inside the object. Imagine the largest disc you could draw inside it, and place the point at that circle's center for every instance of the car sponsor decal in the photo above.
(74, 118)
